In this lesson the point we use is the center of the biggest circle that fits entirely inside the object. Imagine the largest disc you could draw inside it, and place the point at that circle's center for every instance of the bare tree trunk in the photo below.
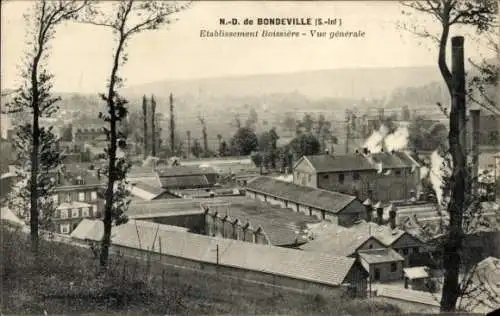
(458, 150)
(108, 207)
(35, 153)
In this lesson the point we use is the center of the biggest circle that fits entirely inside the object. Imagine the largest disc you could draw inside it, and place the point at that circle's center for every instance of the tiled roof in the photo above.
(380, 255)
(184, 171)
(332, 163)
(7, 215)
(416, 272)
(321, 268)
(168, 207)
(330, 201)
(282, 227)
(358, 161)
(174, 182)
(91, 229)
(154, 190)
(397, 159)
(339, 241)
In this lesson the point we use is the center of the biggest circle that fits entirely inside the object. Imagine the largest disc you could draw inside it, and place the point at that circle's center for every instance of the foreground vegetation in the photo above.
(65, 280)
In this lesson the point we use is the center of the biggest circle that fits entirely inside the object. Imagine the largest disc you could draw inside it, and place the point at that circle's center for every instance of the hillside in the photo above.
(336, 83)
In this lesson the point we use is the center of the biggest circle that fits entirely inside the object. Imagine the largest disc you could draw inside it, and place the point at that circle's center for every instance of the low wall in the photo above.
(238, 273)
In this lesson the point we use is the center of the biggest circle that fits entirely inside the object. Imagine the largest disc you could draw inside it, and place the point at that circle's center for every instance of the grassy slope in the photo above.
(65, 281)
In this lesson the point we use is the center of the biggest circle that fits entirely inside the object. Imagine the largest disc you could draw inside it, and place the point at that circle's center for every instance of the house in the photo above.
(257, 222)
(87, 132)
(371, 239)
(383, 264)
(384, 176)
(270, 265)
(338, 208)
(416, 278)
(186, 177)
(77, 196)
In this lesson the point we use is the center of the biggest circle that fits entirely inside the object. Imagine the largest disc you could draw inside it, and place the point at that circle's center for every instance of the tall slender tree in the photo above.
(204, 134)
(35, 97)
(126, 18)
(145, 120)
(153, 126)
(172, 124)
(188, 134)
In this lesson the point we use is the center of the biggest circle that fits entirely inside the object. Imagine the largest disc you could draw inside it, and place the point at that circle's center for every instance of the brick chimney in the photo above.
(368, 209)
(380, 212)
(475, 118)
(392, 216)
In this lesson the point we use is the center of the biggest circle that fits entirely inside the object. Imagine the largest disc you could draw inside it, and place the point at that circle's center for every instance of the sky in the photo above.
(81, 54)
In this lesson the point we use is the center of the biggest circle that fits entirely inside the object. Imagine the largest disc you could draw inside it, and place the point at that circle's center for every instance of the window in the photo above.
(64, 214)
(309, 177)
(398, 172)
(415, 250)
(356, 176)
(323, 214)
(93, 195)
(75, 213)
(341, 178)
(55, 198)
(81, 196)
(64, 228)
(370, 246)
(394, 267)
(325, 177)
(405, 251)
(85, 212)
(94, 210)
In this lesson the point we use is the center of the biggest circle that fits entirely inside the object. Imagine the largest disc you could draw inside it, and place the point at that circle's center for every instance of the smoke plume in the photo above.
(397, 140)
(438, 171)
(375, 141)
(381, 139)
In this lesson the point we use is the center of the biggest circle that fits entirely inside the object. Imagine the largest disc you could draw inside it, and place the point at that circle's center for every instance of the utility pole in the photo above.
(217, 251)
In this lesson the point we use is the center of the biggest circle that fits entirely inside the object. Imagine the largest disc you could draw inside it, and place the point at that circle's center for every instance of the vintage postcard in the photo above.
(249, 157)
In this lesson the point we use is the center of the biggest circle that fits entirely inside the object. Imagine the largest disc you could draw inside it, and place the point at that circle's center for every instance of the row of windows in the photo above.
(78, 212)
(81, 197)
(355, 176)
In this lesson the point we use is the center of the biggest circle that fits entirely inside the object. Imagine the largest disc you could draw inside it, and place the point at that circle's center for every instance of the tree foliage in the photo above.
(244, 142)
(303, 145)
(125, 18)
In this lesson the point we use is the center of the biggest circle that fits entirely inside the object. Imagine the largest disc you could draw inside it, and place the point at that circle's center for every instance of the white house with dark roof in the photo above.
(386, 176)
(338, 208)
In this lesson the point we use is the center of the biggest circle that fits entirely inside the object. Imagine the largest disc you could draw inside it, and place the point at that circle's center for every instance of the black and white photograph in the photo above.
(249, 157)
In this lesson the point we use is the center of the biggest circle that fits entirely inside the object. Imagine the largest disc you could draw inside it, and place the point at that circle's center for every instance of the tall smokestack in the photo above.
(475, 118)
(380, 212)
(392, 216)
(368, 209)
